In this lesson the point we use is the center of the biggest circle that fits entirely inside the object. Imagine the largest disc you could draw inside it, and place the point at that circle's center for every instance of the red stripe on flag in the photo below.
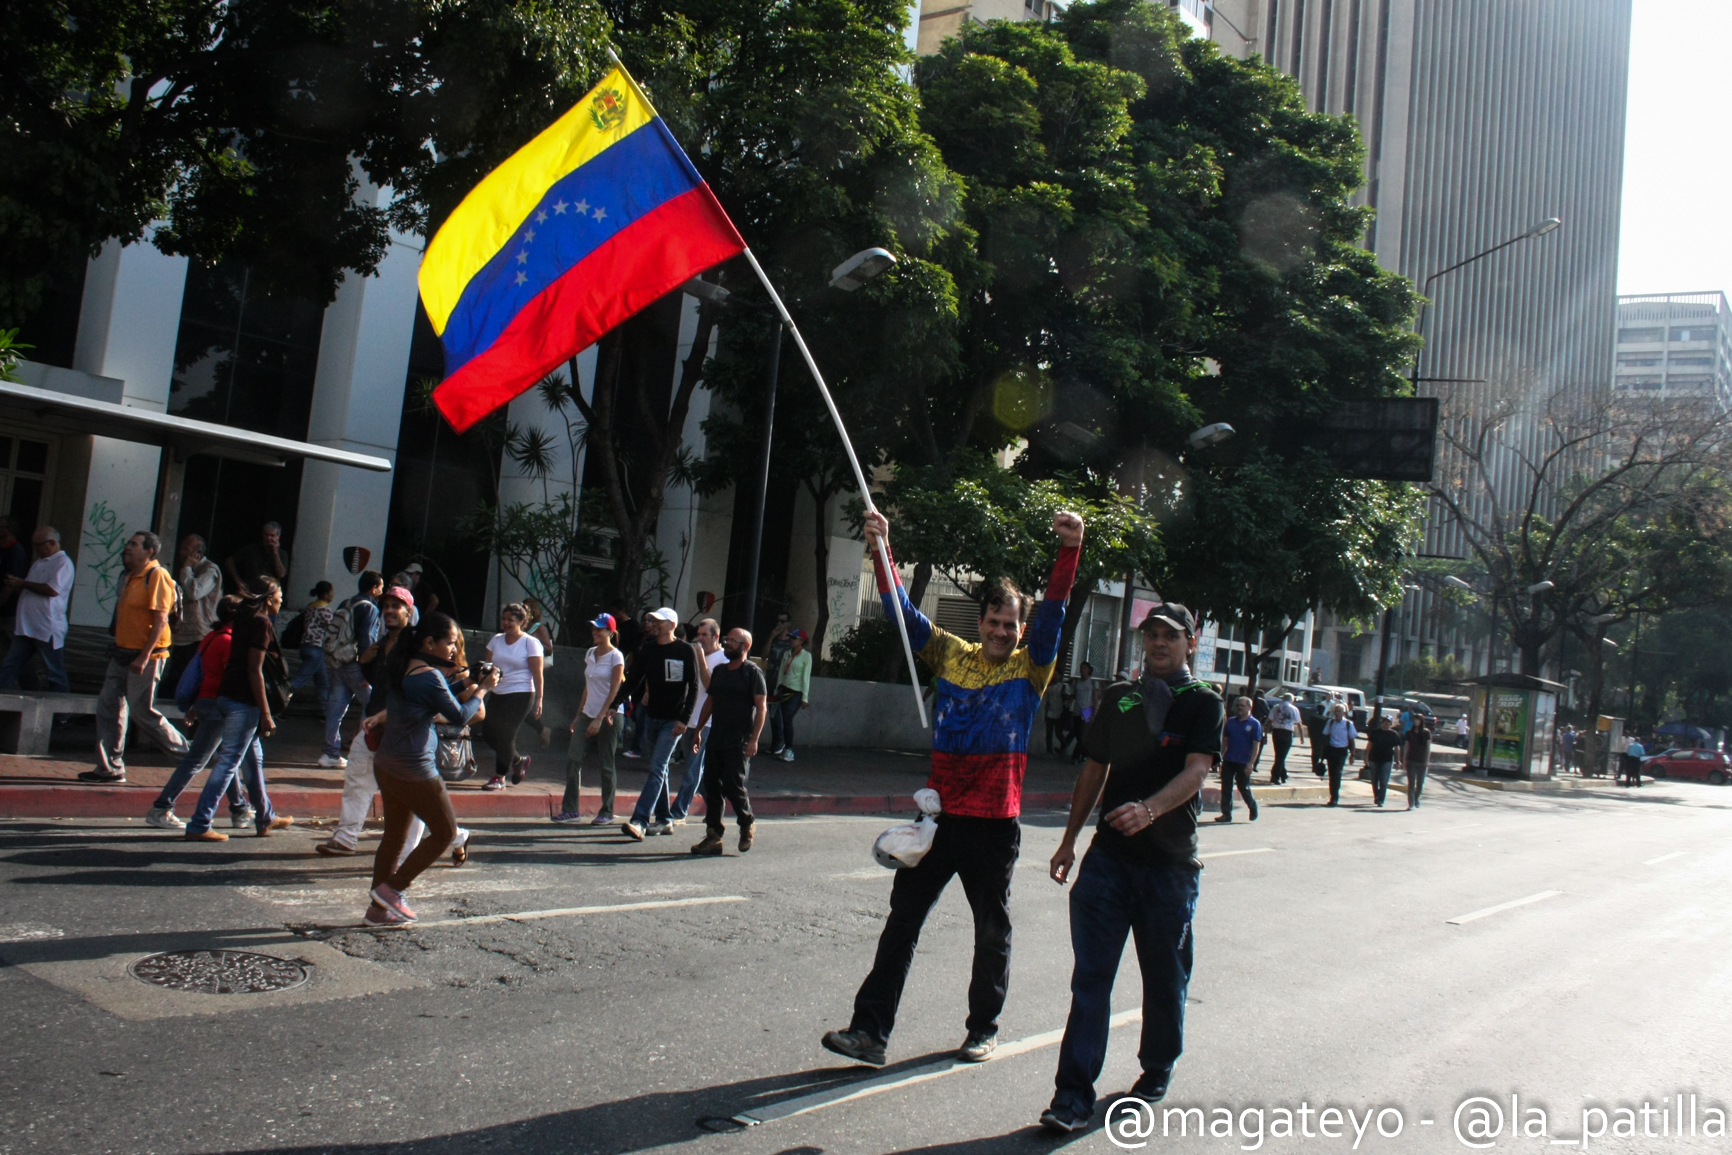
(638, 266)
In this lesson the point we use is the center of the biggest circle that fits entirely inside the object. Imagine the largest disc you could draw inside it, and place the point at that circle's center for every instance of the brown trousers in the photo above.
(403, 799)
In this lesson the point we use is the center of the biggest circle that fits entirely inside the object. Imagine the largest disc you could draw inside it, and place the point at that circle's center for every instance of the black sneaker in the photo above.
(1060, 1121)
(101, 775)
(977, 1048)
(1148, 1091)
(856, 1045)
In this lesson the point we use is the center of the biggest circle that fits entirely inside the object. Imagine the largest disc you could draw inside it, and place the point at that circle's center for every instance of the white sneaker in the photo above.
(330, 763)
(787, 754)
(163, 820)
(660, 828)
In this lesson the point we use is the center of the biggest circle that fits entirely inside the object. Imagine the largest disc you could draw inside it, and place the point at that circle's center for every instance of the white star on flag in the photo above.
(582, 207)
(559, 209)
(541, 217)
(522, 278)
(522, 257)
(528, 236)
(599, 214)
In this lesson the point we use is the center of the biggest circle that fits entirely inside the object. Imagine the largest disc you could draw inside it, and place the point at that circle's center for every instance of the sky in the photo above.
(1677, 212)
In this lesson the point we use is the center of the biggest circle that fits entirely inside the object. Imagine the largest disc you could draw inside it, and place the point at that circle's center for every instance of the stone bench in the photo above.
(27, 719)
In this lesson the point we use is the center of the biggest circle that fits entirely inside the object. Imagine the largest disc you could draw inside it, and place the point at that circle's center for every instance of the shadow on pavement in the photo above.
(641, 1122)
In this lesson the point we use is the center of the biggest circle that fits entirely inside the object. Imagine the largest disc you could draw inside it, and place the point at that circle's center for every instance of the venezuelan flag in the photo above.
(591, 221)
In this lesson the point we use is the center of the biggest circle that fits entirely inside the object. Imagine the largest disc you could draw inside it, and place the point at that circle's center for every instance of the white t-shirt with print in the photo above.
(513, 662)
(598, 679)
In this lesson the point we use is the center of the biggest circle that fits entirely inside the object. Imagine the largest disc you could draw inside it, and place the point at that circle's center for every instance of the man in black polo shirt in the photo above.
(1150, 744)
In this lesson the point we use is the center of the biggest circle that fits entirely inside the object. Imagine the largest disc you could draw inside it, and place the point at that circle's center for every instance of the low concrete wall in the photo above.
(879, 715)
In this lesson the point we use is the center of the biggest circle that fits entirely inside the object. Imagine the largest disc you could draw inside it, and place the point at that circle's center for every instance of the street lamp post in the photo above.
(1548, 225)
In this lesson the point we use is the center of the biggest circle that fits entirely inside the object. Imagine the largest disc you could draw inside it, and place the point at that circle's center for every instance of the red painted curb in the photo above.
(132, 801)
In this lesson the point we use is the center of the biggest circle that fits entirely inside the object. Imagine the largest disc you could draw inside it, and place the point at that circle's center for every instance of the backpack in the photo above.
(340, 648)
(191, 678)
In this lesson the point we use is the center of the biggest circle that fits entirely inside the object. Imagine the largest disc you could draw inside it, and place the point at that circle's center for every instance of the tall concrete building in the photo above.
(1675, 346)
(939, 20)
(1481, 118)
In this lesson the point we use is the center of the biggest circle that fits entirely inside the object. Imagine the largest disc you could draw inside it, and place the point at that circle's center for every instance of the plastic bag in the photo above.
(907, 844)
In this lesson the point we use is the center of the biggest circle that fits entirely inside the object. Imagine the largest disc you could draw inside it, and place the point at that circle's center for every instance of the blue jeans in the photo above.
(240, 750)
(1112, 898)
(312, 671)
(350, 683)
(1380, 772)
(205, 741)
(19, 654)
(659, 734)
(693, 779)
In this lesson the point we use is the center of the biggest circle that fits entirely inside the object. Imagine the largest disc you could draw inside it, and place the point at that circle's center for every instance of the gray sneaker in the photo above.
(242, 819)
(977, 1048)
(163, 819)
(660, 828)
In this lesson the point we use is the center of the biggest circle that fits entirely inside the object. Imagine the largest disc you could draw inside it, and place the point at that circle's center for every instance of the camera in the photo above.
(482, 669)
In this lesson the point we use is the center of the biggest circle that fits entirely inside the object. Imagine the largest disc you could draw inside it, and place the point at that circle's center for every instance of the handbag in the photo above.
(454, 756)
(277, 691)
(191, 678)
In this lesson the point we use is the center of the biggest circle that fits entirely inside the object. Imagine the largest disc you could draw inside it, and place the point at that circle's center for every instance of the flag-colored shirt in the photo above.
(984, 710)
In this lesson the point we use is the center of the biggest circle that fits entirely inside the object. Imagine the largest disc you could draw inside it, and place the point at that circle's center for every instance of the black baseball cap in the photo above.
(1173, 614)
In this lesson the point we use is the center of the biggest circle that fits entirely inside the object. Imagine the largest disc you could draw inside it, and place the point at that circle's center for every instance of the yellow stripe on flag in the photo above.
(493, 210)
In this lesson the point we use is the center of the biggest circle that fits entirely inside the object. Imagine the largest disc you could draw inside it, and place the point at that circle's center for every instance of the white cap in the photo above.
(665, 614)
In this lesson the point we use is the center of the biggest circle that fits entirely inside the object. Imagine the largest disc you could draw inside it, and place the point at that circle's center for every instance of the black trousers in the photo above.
(1318, 746)
(1336, 757)
(1283, 741)
(505, 713)
(1236, 775)
(983, 852)
(725, 769)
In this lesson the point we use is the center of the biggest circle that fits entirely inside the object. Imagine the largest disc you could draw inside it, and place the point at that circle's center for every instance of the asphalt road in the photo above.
(1328, 974)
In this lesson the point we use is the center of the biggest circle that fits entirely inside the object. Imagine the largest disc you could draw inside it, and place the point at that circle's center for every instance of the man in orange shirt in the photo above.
(141, 640)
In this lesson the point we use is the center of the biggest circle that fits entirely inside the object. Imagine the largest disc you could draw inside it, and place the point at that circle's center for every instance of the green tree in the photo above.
(243, 127)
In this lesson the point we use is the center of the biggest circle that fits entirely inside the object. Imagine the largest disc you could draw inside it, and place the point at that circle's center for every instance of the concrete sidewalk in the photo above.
(822, 780)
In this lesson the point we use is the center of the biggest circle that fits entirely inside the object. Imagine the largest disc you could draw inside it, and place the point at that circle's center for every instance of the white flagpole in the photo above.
(859, 475)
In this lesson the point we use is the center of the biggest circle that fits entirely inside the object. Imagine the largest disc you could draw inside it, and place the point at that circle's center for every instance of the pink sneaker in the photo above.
(495, 783)
(392, 900)
(382, 916)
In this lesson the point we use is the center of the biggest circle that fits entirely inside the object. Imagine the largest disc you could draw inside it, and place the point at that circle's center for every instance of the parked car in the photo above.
(1709, 765)
(1313, 698)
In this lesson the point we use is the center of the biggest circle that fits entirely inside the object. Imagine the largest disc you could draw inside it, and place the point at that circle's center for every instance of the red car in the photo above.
(1709, 764)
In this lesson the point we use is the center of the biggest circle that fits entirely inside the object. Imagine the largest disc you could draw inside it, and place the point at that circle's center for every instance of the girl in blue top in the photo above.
(416, 693)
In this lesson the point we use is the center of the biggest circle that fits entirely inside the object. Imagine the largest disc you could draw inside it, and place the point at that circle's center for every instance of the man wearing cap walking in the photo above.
(1150, 746)
(793, 687)
(987, 695)
(668, 671)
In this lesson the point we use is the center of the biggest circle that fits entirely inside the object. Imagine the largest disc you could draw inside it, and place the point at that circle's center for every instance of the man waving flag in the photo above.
(596, 218)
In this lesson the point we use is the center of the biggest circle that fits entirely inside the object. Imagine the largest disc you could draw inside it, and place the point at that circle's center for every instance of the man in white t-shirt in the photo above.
(709, 646)
(42, 597)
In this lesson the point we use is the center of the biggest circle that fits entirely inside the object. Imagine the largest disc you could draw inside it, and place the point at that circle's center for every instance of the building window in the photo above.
(23, 476)
(247, 358)
(1638, 359)
(1694, 333)
(1693, 360)
(1634, 336)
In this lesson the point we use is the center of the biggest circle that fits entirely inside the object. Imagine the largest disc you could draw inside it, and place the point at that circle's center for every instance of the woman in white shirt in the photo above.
(596, 727)
(518, 696)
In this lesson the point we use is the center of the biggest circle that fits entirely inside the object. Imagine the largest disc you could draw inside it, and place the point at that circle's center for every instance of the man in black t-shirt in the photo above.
(734, 711)
(267, 557)
(1150, 745)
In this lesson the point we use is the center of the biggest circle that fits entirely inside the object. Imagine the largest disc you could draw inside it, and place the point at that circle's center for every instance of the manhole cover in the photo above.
(219, 972)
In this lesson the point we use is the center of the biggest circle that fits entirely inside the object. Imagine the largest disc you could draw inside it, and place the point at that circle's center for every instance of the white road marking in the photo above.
(563, 912)
(805, 1104)
(1231, 853)
(1502, 906)
(1665, 858)
(28, 932)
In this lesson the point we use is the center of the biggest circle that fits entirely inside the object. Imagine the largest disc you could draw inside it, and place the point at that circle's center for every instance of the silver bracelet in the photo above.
(1150, 814)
